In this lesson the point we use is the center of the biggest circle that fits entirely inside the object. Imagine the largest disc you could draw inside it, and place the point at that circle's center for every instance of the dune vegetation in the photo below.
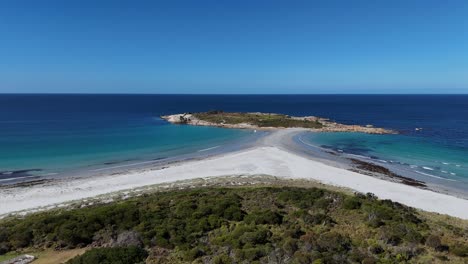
(242, 225)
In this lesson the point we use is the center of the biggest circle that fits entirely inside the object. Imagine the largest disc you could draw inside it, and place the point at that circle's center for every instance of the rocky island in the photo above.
(259, 120)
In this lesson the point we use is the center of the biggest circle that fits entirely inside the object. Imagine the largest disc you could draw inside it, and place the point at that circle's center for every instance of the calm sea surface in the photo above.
(47, 134)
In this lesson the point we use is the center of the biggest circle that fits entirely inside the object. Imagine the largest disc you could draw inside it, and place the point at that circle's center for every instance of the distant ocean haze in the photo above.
(56, 133)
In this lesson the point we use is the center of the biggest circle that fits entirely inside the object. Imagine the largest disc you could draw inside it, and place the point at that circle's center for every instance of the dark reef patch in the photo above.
(4, 175)
(370, 167)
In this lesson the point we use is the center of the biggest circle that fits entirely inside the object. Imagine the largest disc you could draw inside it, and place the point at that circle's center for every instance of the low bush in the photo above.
(264, 217)
(433, 241)
(352, 203)
(121, 255)
(301, 198)
(333, 242)
(318, 219)
(222, 259)
(459, 250)
(290, 246)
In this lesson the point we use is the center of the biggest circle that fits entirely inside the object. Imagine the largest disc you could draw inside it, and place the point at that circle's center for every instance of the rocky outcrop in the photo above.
(190, 119)
(374, 168)
(110, 238)
(126, 239)
(336, 127)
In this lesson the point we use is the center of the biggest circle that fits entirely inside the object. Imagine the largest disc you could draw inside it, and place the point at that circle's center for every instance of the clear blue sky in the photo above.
(240, 46)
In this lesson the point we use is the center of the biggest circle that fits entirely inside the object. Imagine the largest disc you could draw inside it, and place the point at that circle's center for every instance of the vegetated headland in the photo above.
(258, 120)
(273, 221)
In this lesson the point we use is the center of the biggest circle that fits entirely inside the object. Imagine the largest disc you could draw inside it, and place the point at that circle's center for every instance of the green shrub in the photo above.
(371, 197)
(125, 255)
(264, 217)
(302, 198)
(333, 242)
(322, 203)
(433, 241)
(222, 259)
(459, 250)
(293, 232)
(21, 238)
(301, 257)
(376, 249)
(252, 253)
(244, 236)
(4, 248)
(193, 254)
(318, 219)
(352, 203)
(290, 246)
(368, 260)
(255, 237)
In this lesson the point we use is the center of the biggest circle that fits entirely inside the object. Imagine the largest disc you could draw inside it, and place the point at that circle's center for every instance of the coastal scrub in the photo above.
(234, 225)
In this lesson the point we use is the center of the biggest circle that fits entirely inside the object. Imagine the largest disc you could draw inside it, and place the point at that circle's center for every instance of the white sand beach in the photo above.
(268, 158)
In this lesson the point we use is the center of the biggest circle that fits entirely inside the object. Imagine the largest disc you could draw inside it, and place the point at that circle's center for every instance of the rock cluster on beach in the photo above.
(327, 125)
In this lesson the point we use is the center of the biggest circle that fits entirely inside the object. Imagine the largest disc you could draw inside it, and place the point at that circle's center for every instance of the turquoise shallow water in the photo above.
(50, 151)
(421, 155)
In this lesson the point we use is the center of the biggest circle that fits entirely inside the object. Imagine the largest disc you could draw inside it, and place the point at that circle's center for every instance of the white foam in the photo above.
(202, 150)
(50, 174)
(126, 165)
(359, 156)
(11, 179)
(433, 176)
(305, 143)
(427, 168)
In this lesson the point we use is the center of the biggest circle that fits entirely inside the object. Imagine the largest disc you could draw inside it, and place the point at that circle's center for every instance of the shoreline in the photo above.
(272, 155)
(139, 162)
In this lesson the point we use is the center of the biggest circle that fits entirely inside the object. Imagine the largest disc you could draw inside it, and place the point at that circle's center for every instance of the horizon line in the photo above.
(46, 93)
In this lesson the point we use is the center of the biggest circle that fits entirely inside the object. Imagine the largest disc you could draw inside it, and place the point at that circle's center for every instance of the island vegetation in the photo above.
(258, 119)
(242, 225)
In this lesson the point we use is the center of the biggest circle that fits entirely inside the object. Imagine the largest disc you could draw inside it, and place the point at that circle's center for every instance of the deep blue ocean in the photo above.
(48, 134)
